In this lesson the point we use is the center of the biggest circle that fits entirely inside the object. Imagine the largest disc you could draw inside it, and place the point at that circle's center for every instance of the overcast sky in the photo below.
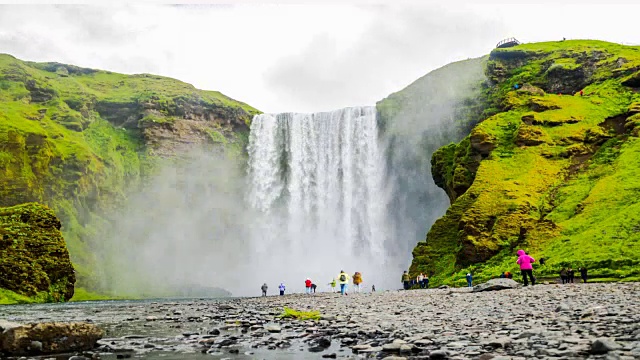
(297, 57)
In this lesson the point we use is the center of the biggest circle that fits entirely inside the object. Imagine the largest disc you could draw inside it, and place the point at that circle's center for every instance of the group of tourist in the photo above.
(567, 275)
(524, 260)
(342, 279)
(408, 282)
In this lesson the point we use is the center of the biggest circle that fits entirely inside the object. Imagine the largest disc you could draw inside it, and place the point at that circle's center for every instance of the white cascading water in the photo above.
(317, 181)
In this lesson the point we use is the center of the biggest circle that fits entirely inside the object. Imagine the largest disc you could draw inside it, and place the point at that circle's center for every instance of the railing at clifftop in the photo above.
(508, 43)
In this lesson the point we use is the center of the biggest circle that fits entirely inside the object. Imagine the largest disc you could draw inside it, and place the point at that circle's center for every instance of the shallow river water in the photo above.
(175, 333)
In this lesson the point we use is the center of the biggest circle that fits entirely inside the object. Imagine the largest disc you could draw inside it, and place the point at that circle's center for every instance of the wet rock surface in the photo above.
(577, 321)
(47, 338)
(497, 284)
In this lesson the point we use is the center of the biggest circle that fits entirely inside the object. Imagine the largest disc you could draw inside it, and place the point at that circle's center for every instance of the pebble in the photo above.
(603, 346)
(574, 321)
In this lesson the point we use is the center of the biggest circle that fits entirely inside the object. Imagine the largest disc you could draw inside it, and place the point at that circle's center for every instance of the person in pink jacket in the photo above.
(526, 269)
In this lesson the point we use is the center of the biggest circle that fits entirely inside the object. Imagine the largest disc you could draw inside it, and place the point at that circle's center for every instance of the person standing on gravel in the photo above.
(571, 275)
(281, 288)
(264, 289)
(307, 285)
(469, 280)
(333, 285)
(420, 279)
(583, 274)
(563, 275)
(526, 268)
(343, 280)
(406, 279)
(357, 280)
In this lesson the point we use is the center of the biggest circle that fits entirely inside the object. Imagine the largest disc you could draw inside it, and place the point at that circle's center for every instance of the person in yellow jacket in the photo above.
(343, 280)
(357, 280)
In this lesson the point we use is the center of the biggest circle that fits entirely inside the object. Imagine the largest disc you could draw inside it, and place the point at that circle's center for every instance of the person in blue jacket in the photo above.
(469, 280)
(282, 288)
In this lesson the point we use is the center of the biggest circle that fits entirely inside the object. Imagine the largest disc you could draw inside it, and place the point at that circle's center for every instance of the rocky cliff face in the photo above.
(553, 171)
(34, 260)
(80, 139)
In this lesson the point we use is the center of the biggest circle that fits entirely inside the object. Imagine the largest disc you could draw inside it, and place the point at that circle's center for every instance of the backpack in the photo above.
(343, 277)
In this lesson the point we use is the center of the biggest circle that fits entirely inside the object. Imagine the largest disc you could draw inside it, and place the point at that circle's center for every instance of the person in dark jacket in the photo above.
(406, 280)
(571, 274)
(563, 275)
(264, 289)
(583, 274)
(469, 280)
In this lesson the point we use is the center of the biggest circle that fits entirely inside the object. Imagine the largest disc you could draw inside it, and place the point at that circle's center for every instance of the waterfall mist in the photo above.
(186, 232)
(323, 192)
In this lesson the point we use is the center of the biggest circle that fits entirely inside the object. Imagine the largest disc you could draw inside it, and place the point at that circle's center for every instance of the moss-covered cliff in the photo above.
(78, 140)
(554, 171)
(34, 261)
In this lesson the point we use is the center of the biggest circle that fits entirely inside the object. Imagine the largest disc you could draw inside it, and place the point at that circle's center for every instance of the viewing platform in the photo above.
(507, 43)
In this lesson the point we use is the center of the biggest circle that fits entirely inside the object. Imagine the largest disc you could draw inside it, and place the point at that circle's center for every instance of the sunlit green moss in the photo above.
(300, 315)
(559, 172)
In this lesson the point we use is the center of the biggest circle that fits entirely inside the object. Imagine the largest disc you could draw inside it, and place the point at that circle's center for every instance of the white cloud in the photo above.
(304, 57)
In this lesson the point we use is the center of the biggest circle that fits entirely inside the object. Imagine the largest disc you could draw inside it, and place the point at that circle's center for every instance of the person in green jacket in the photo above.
(405, 280)
(333, 285)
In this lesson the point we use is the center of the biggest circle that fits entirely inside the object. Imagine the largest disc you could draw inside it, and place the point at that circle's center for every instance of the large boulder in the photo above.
(497, 284)
(47, 338)
(34, 260)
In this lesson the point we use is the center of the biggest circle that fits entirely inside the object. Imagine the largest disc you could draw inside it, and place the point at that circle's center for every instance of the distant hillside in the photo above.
(78, 140)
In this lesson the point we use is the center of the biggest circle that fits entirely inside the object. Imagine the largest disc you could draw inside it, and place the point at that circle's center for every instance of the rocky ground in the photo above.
(546, 321)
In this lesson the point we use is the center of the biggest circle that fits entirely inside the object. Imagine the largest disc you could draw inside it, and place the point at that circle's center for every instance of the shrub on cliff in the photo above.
(34, 260)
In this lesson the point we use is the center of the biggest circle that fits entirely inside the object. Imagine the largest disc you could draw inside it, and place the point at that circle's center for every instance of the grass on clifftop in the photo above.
(560, 174)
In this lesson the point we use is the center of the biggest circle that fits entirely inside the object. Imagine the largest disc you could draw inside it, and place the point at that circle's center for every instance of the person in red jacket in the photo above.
(307, 284)
(526, 268)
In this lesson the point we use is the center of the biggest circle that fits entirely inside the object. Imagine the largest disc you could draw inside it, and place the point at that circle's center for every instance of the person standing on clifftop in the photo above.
(469, 280)
(406, 279)
(343, 279)
(264, 289)
(281, 288)
(583, 274)
(526, 268)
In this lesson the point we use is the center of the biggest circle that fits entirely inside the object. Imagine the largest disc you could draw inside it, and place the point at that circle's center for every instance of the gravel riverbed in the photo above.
(575, 321)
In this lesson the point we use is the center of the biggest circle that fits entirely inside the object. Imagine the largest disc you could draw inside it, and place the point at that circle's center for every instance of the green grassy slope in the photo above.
(454, 88)
(80, 139)
(552, 172)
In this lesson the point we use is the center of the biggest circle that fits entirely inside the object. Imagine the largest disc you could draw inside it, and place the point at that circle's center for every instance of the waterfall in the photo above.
(317, 181)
